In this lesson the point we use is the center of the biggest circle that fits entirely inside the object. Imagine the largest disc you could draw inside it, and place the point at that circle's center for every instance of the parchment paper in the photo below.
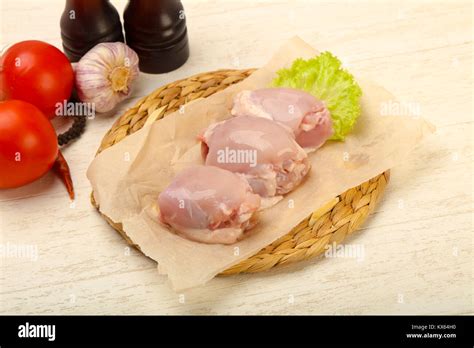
(128, 177)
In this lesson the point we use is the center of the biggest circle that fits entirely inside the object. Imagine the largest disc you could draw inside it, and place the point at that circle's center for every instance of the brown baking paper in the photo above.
(127, 177)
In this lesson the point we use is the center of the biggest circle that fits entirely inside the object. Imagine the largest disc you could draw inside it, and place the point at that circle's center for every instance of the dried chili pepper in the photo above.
(61, 168)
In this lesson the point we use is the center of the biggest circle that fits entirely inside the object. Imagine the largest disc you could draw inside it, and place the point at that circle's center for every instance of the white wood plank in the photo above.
(417, 245)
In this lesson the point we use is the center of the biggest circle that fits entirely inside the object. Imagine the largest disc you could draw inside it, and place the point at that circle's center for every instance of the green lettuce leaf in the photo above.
(324, 78)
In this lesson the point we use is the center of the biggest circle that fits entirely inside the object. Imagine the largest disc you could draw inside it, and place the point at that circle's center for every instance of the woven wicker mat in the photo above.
(331, 223)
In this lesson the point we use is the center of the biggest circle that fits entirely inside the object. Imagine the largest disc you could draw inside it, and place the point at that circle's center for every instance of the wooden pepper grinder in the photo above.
(156, 30)
(85, 23)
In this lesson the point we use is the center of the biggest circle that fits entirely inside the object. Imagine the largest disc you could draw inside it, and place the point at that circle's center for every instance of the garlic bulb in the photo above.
(104, 75)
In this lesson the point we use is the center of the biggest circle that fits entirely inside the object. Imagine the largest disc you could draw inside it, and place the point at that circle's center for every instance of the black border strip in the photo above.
(241, 330)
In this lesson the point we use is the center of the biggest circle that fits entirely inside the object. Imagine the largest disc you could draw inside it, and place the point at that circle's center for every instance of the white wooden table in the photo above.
(418, 244)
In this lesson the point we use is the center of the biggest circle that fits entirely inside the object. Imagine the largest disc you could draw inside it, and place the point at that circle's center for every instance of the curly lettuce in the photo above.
(324, 78)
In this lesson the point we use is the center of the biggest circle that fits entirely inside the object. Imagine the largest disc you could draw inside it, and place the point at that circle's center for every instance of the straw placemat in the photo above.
(331, 223)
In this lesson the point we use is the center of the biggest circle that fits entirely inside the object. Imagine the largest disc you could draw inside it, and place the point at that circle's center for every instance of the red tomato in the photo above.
(28, 144)
(38, 73)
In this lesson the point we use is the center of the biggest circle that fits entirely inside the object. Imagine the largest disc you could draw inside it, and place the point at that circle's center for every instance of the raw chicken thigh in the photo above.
(264, 151)
(208, 204)
(307, 116)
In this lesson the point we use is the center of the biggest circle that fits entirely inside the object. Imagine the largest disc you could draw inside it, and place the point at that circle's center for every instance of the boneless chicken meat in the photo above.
(262, 150)
(305, 115)
(208, 204)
